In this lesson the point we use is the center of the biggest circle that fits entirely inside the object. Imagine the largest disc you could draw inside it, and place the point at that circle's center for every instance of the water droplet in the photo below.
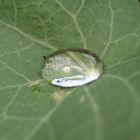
(72, 67)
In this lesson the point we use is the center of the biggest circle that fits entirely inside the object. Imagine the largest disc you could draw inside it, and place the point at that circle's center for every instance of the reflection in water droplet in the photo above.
(72, 67)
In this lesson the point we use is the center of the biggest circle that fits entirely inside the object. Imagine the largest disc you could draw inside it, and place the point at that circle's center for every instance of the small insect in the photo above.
(72, 67)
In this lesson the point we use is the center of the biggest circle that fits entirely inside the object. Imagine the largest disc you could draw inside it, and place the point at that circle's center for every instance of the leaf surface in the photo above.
(107, 109)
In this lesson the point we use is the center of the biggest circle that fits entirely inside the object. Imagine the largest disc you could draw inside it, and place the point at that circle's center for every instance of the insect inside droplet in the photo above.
(72, 67)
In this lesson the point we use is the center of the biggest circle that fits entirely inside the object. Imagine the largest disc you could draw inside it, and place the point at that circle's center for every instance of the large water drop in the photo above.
(72, 67)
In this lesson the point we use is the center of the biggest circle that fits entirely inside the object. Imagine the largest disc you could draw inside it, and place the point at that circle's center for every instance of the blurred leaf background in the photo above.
(107, 109)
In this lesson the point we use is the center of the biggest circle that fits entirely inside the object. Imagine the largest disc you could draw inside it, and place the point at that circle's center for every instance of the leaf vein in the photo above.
(28, 36)
(11, 101)
(75, 22)
(111, 31)
(46, 117)
(80, 8)
(13, 70)
(127, 84)
(96, 111)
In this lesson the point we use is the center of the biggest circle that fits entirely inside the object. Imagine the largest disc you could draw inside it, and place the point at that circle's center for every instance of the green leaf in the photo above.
(107, 109)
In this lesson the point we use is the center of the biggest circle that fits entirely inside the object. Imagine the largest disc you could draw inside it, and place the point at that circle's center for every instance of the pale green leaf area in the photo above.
(106, 109)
